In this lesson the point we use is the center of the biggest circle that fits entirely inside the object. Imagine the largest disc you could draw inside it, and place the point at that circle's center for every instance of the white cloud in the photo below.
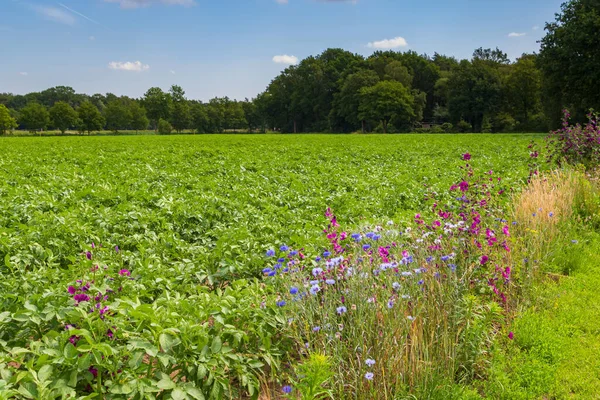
(135, 66)
(516, 34)
(389, 43)
(54, 14)
(23, 73)
(285, 59)
(172, 72)
(146, 3)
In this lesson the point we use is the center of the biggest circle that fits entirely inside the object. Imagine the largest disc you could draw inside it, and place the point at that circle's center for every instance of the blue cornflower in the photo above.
(356, 237)
(534, 214)
(284, 248)
(318, 259)
(315, 289)
(396, 286)
(278, 266)
(370, 235)
(281, 260)
(551, 214)
(370, 362)
(376, 237)
(270, 253)
(515, 223)
(574, 241)
(341, 310)
(266, 270)
(326, 254)
(421, 282)
(390, 304)
(293, 253)
(452, 267)
(316, 329)
(313, 283)
(330, 281)
(369, 376)
(280, 303)
(366, 247)
(445, 258)
(317, 271)
(287, 389)
(286, 269)
(293, 290)
(273, 273)
(429, 259)
(406, 273)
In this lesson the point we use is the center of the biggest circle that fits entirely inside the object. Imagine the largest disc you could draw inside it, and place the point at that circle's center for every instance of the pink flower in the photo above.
(72, 290)
(88, 255)
(511, 335)
(484, 259)
(81, 297)
(124, 272)
(464, 186)
(466, 156)
(505, 230)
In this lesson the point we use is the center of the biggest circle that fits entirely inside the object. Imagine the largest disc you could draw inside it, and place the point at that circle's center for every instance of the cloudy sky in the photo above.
(235, 47)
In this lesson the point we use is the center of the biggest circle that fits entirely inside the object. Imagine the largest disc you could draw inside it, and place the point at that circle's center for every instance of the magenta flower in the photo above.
(124, 272)
(511, 335)
(88, 255)
(81, 297)
(484, 259)
(72, 290)
(466, 156)
(464, 186)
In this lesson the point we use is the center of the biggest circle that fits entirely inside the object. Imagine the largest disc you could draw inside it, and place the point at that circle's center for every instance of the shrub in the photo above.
(447, 127)
(164, 127)
(463, 126)
(576, 144)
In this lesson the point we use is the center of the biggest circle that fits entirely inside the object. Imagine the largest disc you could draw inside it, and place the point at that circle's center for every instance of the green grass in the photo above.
(557, 339)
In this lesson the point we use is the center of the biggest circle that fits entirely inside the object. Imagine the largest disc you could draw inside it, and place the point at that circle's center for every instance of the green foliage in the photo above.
(117, 115)
(90, 118)
(463, 126)
(314, 374)
(34, 117)
(570, 60)
(157, 104)
(7, 122)
(385, 101)
(180, 109)
(139, 121)
(63, 116)
(164, 127)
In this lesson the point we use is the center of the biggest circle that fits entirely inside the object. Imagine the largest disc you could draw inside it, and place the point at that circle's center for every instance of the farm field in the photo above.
(140, 253)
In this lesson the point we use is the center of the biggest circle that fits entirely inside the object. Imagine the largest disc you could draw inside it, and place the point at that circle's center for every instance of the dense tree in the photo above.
(180, 109)
(117, 115)
(139, 121)
(7, 122)
(34, 117)
(524, 84)
(63, 116)
(570, 60)
(199, 116)
(346, 102)
(386, 101)
(90, 118)
(157, 104)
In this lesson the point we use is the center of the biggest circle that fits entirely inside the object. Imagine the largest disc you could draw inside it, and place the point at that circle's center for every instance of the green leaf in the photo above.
(166, 383)
(216, 345)
(168, 341)
(45, 372)
(178, 394)
(195, 393)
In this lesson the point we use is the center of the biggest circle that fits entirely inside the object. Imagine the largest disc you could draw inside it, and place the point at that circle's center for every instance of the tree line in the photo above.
(338, 91)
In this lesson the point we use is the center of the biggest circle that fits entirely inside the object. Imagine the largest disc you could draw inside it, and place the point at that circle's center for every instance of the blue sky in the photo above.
(228, 47)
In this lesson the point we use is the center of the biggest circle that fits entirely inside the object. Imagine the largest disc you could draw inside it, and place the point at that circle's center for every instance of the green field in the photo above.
(192, 217)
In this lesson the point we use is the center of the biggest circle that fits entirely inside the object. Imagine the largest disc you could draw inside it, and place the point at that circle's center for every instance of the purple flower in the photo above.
(317, 271)
(284, 248)
(390, 304)
(280, 303)
(110, 334)
(369, 376)
(287, 389)
(326, 254)
(272, 273)
(315, 289)
(88, 255)
(81, 297)
(366, 247)
(330, 281)
(72, 290)
(270, 253)
(266, 270)
(316, 329)
(466, 156)
(116, 249)
(511, 335)
(124, 272)
(341, 310)
(356, 237)
(484, 259)
(370, 362)
(293, 290)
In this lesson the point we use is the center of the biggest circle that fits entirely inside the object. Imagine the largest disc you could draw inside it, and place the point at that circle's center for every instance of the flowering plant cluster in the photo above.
(575, 144)
(431, 293)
